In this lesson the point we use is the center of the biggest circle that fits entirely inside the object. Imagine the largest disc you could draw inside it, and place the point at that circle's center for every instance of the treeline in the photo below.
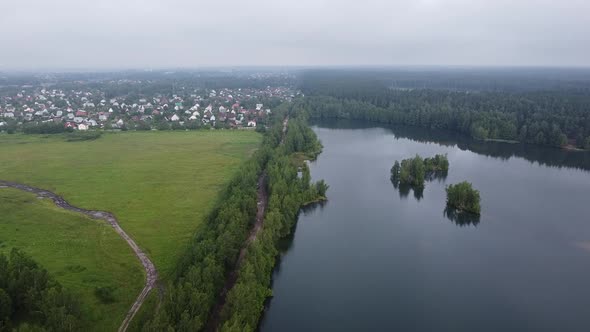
(30, 300)
(414, 171)
(346, 81)
(288, 193)
(548, 118)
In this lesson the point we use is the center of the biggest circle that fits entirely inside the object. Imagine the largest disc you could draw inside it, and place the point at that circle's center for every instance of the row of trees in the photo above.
(554, 119)
(414, 171)
(30, 300)
(288, 193)
(201, 272)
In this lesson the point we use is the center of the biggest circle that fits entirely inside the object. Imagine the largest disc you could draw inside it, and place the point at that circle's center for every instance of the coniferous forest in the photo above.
(529, 109)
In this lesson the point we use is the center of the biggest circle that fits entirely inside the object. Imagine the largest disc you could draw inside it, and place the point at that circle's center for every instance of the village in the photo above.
(88, 108)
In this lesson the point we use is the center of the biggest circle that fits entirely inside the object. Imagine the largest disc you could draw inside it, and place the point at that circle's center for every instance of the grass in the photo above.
(81, 253)
(160, 185)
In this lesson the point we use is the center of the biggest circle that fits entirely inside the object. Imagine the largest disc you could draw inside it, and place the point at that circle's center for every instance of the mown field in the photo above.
(160, 185)
(79, 252)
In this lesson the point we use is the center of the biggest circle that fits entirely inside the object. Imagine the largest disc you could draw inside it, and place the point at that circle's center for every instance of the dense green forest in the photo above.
(414, 171)
(30, 300)
(548, 117)
(202, 271)
(463, 197)
(288, 193)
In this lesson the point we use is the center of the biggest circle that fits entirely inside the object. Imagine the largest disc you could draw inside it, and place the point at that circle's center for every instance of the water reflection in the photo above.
(461, 218)
(553, 157)
(404, 190)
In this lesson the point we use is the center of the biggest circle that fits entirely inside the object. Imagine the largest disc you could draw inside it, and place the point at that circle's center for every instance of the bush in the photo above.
(83, 136)
(105, 294)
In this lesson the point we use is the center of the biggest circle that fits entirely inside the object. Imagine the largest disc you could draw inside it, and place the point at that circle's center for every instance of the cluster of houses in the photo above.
(86, 109)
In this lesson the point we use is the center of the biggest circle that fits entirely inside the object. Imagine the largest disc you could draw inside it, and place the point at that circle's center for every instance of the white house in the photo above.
(82, 126)
(258, 107)
(251, 123)
(174, 118)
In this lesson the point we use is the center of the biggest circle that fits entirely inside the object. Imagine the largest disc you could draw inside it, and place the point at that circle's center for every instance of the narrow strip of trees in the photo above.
(288, 193)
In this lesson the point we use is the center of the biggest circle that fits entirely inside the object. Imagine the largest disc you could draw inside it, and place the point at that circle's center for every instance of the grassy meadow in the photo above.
(81, 253)
(159, 184)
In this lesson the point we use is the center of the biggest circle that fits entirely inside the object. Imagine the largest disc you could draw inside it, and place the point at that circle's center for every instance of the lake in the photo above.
(375, 258)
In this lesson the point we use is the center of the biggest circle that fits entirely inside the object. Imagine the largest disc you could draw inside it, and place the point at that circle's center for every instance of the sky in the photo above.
(143, 34)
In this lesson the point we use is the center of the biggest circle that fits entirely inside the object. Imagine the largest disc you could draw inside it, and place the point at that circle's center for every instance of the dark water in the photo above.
(375, 259)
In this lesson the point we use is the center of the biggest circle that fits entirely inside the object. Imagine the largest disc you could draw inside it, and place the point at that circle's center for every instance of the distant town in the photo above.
(129, 105)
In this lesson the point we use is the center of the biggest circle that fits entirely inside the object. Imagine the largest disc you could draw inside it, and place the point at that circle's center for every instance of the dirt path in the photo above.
(150, 269)
(262, 201)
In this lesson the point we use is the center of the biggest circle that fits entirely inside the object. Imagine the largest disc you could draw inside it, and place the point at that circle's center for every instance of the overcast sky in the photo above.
(106, 34)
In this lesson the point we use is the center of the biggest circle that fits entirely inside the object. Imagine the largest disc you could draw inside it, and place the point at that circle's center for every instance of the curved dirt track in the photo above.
(150, 269)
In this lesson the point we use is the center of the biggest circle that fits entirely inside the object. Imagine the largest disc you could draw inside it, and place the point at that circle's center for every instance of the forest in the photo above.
(554, 114)
(31, 300)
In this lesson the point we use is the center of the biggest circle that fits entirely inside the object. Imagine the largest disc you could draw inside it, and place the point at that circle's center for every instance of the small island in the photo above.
(463, 197)
(414, 171)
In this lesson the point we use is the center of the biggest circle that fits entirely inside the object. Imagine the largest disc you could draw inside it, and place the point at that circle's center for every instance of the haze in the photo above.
(115, 34)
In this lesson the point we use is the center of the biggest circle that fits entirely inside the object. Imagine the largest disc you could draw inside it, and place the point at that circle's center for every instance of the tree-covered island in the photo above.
(414, 171)
(463, 197)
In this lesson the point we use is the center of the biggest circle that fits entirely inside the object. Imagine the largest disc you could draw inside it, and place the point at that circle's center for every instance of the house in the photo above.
(70, 125)
(81, 113)
(120, 123)
(82, 126)
(258, 107)
(251, 123)
(9, 115)
(70, 116)
(102, 117)
(174, 118)
(78, 119)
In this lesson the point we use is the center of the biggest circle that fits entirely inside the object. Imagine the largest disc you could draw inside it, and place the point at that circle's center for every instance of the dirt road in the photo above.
(150, 269)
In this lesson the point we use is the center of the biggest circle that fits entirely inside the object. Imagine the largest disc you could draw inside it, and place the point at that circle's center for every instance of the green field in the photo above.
(160, 185)
(81, 253)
